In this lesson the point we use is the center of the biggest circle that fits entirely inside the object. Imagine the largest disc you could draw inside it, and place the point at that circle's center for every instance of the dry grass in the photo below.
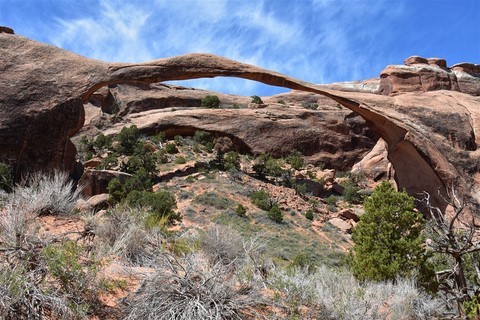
(338, 295)
(193, 287)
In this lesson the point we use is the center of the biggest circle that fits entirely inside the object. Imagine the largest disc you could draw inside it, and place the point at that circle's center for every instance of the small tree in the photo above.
(275, 213)
(257, 100)
(128, 138)
(210, 102)
(389, 240)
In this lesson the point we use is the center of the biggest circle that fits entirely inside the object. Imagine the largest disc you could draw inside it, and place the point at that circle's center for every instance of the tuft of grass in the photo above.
(213, 199)
(193, 287)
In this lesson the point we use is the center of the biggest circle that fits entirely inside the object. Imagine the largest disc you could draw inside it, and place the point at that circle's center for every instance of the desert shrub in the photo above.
(161, 204)
(338, 295)
(180, 160)
(213, 199)
(21, 297)
(128, 138)
(108, 163)
(203, 137)
(179, 141)
(86, 144)
(351, 194)
(265, 165)
(232, 160)
(295, 160)
(140, 181)
(126, 233)
(241, 210)
(171, 148)
(102, 142)
(222, 243)
(158, 138)
(389, 239)
(77, 281)
(193, 287)
(6, 177)
(256, 99)
(46, 193)
(275, 214)
(311, 106)
(331, 200)
(309, 214)
(261, 199)
(210, 102)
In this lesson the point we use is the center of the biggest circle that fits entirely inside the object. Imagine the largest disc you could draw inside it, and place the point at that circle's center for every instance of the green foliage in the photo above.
(171, 148)
(389, 242)
(472, 308)
(257, 100)
(161, 204)
(331, 200)
(108, 163)
(140, 181)
(179, 141)
(213, 199)
(210, 102)
(128, 138)
(86, 144)
(309, 214)
(180, 160)
(275, 214)
(265, 165)
(351, 194)
(295, 160)
(102, 142)
(6, 177)
(303, 261)
(158, 138)
(76, 280)
(311, 106)
(143, 157)
(231, 160)
(203, 137)
(241, 210)
(261, 199)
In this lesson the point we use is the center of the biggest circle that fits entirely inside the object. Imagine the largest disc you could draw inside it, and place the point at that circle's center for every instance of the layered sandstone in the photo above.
(38, 114)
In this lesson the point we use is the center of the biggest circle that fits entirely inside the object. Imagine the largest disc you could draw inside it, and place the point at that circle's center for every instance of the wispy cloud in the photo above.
(320, 41)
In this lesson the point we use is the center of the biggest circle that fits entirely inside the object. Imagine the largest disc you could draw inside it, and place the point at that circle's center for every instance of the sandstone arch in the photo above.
(42, 89)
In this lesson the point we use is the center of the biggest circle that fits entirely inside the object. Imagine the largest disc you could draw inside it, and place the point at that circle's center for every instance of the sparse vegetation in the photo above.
(256, 100)
(210, 102)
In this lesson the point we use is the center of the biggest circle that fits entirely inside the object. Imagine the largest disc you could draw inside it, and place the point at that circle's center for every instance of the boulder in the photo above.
(348, 214)
(343, 225)
(99, 201)
(375, 165)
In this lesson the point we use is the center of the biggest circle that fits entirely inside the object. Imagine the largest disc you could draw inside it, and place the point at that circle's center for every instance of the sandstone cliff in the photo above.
(43, 88)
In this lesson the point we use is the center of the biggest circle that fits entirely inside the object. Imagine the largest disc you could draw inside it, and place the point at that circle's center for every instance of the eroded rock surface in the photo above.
(420, 74)
(38, 114)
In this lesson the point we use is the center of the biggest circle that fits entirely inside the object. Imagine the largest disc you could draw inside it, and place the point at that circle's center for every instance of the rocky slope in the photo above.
(39, 114)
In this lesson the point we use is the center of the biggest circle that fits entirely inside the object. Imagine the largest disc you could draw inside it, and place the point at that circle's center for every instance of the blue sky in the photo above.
(321, 41)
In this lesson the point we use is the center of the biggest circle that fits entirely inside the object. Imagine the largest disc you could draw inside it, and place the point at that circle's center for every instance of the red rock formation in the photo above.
(420, 74)
(39, 113)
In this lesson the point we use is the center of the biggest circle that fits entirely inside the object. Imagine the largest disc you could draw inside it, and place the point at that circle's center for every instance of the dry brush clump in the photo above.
(193, 287)
(126, 232)
(40, 276)
(333, 294)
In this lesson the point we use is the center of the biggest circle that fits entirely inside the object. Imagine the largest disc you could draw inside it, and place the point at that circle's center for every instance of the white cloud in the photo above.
(319, 41)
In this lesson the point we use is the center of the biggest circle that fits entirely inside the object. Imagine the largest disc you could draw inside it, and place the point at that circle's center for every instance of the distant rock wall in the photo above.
(420, 74)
